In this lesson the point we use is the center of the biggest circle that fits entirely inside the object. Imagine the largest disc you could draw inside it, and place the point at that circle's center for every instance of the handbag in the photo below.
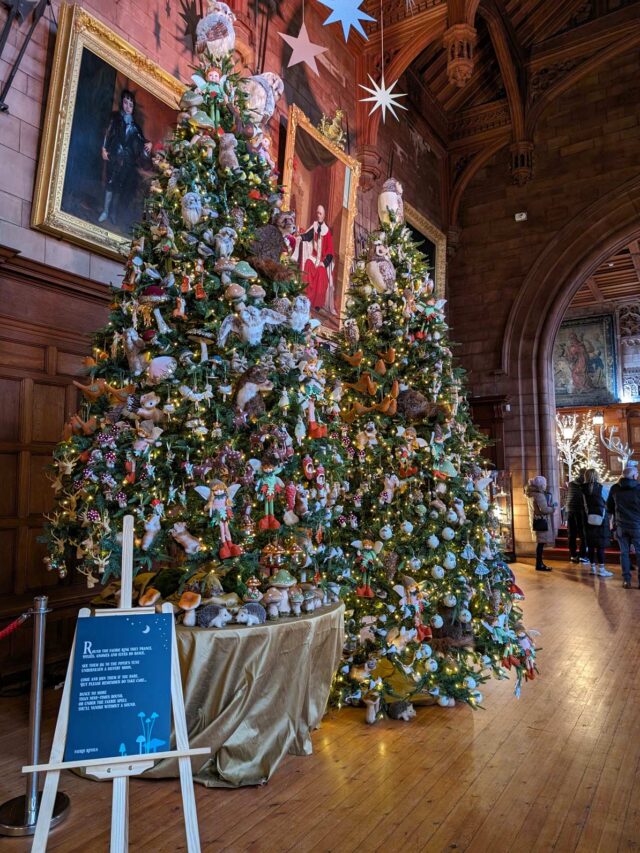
(594, 519)
(540, 524)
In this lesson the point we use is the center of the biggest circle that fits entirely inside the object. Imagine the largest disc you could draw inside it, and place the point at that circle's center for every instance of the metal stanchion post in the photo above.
(19, 815)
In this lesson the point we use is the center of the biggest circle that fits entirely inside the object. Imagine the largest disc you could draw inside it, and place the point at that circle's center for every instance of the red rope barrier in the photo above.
(13, 626)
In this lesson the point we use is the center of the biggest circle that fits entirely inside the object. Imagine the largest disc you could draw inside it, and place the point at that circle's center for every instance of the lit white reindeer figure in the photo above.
(614, 444)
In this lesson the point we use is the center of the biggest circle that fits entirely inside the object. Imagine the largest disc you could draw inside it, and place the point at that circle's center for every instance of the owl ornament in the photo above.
(191, 209)
(379, 269)
(374, 317)
(390, 204)
(215, 31)
(351, 332)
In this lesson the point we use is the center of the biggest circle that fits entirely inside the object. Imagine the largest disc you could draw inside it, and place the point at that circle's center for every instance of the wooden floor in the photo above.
(558, 769)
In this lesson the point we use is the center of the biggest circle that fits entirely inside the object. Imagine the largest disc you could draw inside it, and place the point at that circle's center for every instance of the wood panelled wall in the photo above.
(47, 318)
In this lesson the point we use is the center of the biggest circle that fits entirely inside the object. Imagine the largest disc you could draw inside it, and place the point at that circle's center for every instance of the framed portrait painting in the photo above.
(109, 109)
(584, 362)
(320, 184)
(432, 243)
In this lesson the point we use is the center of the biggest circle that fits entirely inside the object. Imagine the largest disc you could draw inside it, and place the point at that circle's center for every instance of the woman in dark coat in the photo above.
(597, 534)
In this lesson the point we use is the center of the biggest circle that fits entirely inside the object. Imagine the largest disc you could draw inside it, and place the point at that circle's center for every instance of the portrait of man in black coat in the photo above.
(124, 149)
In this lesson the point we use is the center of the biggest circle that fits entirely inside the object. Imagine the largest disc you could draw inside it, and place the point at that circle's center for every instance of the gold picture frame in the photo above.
(438, 238)
(317, 174)
(71, 210)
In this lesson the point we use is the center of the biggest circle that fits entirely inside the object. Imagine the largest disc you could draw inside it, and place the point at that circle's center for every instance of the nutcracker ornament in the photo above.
(219, 498)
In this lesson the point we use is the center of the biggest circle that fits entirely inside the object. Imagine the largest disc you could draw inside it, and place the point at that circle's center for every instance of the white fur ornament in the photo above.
(450, 560)
(160, 368)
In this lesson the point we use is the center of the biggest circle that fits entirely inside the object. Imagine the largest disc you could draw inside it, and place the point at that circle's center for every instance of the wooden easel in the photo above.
(122, 767)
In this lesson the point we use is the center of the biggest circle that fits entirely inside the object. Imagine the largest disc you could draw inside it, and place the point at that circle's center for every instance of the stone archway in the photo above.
(569, 259)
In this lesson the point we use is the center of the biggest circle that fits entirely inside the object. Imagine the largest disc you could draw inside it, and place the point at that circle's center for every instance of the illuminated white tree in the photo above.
(578, 445)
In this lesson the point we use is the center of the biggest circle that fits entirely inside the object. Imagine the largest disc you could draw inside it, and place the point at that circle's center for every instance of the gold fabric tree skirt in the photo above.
(254, 694)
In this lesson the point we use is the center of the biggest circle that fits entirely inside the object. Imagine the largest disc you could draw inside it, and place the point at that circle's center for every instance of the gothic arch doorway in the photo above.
(569, 259)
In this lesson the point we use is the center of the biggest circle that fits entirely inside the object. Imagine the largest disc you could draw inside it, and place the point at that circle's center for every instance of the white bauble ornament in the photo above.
(427, 650)
(450, 600)
(448, 533)
(433, 513)
(433, 541)
(407, 527)
(437, 621)
(432, 666)
(450, 560)
(441, 488)
(452, 516)
(477, 695)
(469, 682)
(386, 532)
(415, 563)
(437, 572)
(465, 616)
(483, 504)
(443, 701)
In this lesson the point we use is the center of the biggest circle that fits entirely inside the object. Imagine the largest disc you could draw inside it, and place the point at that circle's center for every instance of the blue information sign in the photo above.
(121, 687)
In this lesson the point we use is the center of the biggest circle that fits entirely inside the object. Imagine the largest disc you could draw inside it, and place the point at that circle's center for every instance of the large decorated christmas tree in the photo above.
(206, 411)
(431, 610)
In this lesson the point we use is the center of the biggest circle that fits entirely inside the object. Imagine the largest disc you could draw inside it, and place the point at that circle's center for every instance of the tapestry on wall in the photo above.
(584, 362)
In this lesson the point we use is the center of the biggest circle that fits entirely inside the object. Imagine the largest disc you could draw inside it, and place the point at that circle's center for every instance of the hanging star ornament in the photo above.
(383, 98)
(303, 49)
(349, 14)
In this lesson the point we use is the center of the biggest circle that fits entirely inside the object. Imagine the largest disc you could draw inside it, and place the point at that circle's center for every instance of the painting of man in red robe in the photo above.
(316, 256)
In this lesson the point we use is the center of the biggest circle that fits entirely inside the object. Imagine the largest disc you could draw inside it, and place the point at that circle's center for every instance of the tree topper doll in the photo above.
(219, 498)
(214, 85)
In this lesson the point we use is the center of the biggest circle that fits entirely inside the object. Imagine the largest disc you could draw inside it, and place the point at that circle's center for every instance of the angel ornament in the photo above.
(219, 504)
(249, 324)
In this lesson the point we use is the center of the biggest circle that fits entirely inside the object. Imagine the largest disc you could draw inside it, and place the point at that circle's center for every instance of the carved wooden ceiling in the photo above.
(617, 278)
(480, 73)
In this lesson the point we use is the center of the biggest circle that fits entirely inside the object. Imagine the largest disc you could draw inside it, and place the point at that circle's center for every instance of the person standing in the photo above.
(597, 522)
(624, 504)
(317, 260)
(541, 511)
(576, 520)
(123, 147)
